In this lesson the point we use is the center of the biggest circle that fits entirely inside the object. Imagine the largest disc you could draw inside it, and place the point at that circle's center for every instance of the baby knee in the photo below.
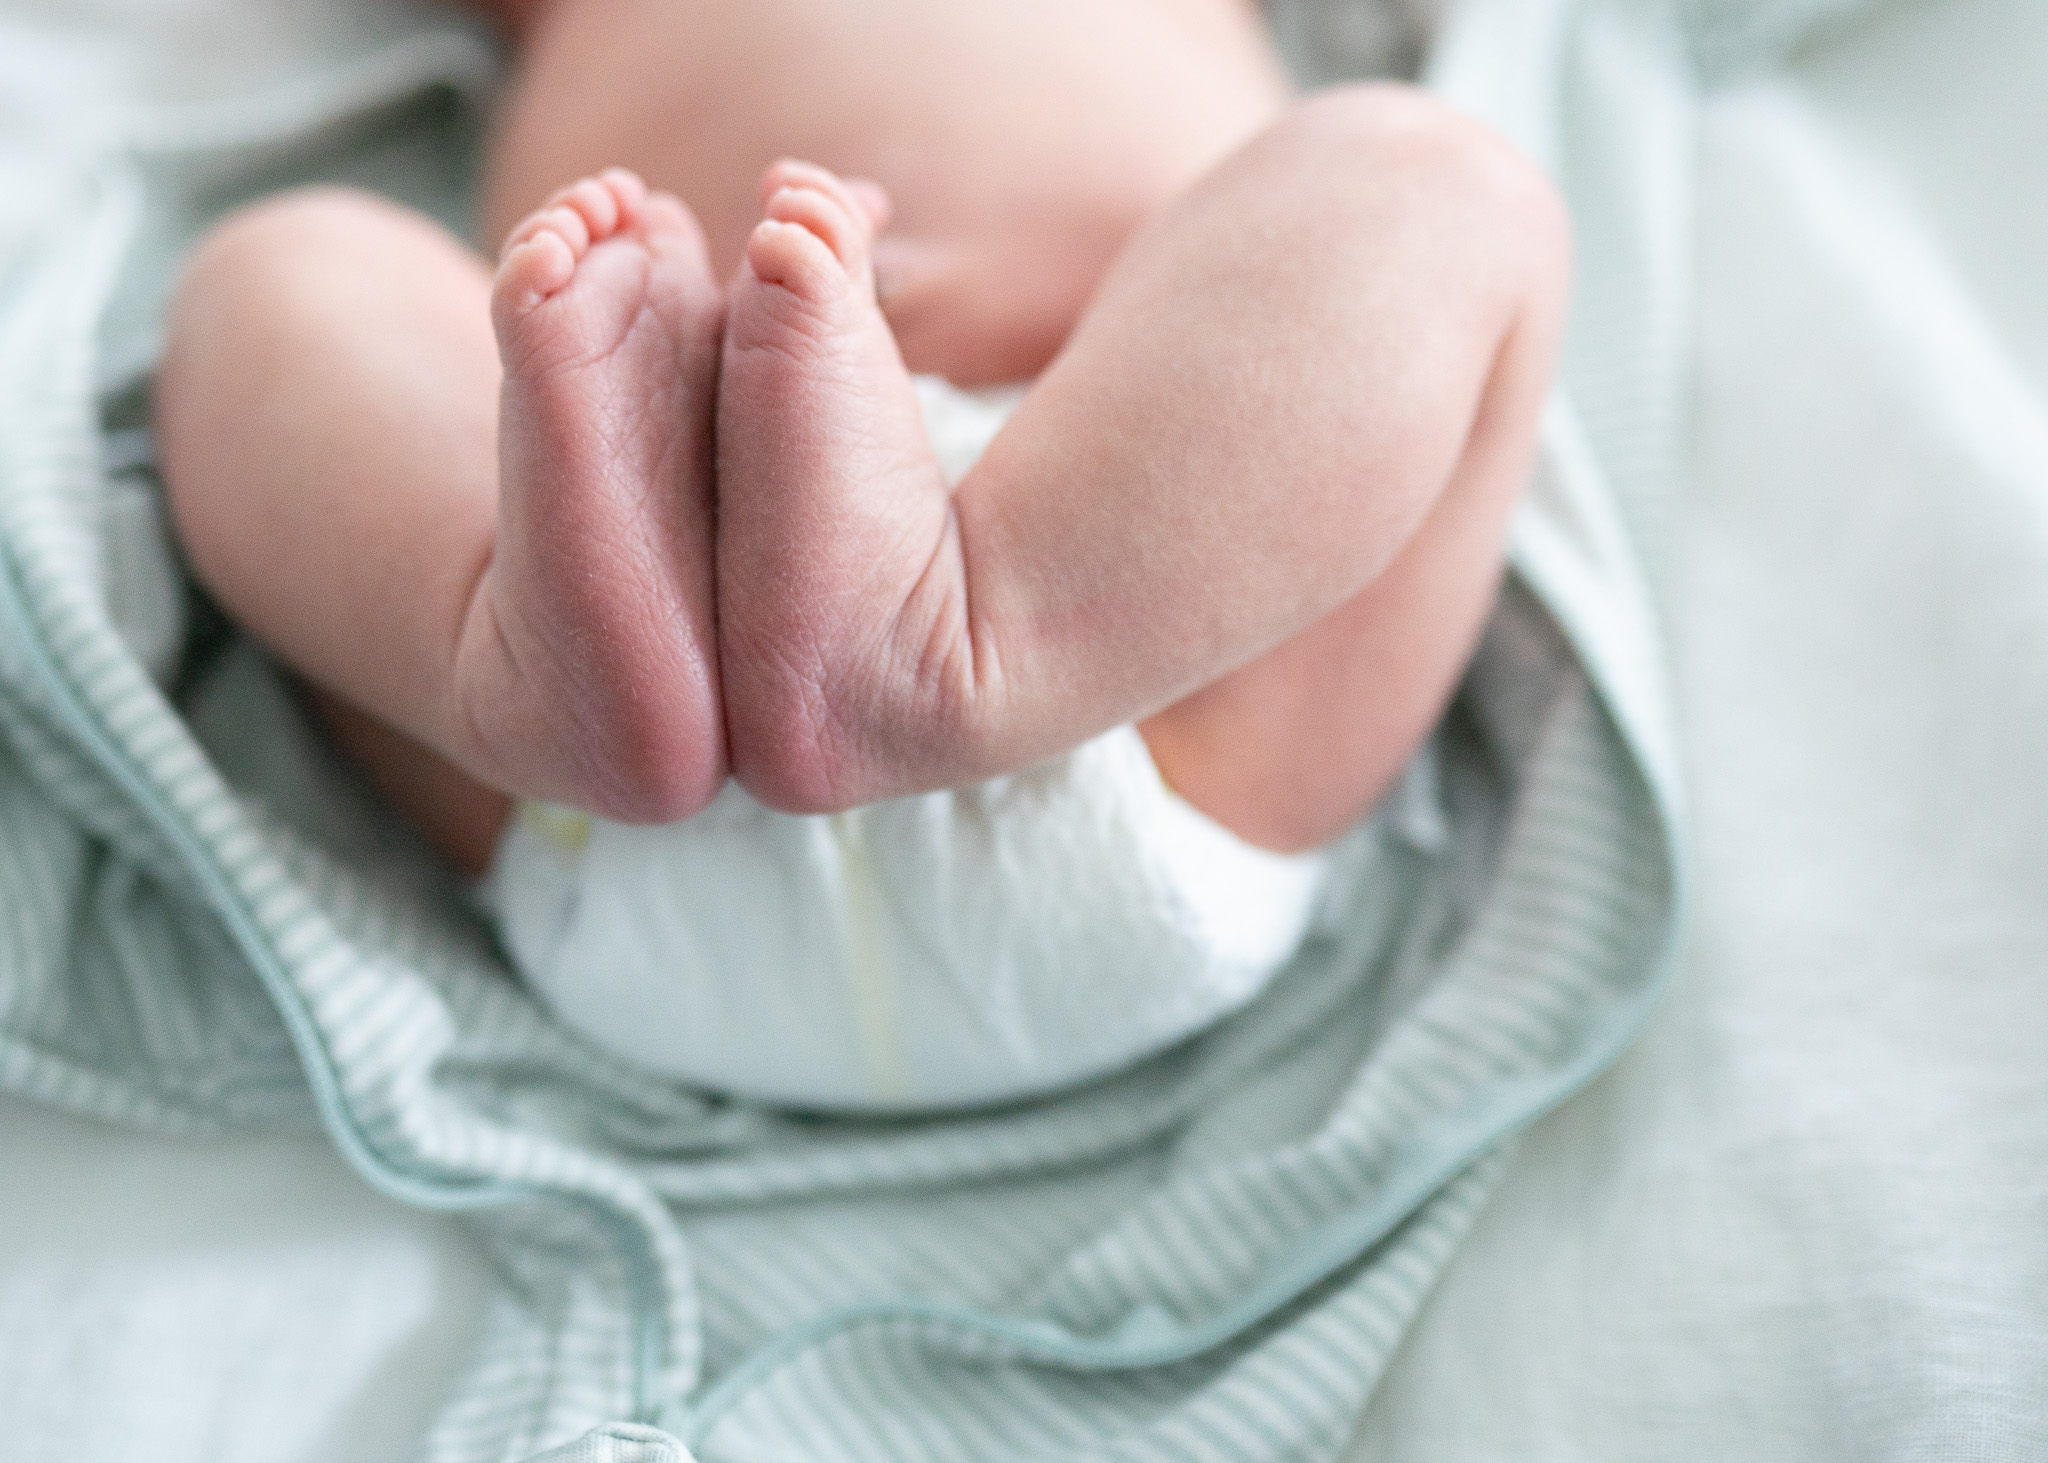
(300, 244)
(1390, 123)
(252, 244)
(1447, 159)
(238, 287)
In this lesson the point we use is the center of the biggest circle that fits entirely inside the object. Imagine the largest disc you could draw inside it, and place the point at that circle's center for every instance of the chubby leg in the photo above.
(1257, 503)
(493, 556)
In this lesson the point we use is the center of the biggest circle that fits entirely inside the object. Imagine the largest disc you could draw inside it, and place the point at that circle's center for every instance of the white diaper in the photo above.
(959, 947)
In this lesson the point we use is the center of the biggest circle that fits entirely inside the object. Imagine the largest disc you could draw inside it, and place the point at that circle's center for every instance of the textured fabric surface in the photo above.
(619, 1443)
(1807, 1217)
(210, 930)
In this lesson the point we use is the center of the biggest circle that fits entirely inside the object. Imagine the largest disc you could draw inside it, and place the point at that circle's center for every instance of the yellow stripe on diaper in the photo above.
(868, 974)
(568, 829)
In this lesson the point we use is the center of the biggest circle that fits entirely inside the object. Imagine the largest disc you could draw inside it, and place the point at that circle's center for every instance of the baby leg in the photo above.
(496, 555)
(1301, 405)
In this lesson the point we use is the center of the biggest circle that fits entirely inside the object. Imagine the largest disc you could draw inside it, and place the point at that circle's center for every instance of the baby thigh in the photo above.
(327, 415)
(1308, 397)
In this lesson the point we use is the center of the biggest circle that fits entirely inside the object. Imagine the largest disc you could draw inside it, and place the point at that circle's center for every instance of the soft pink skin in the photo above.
(588, 661)
(546, 624)
(1021, 143)
(883, 636)
(1255, 504)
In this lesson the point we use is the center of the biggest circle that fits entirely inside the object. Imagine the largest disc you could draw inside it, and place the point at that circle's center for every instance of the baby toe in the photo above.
(532, 269)
(789, 172)
(795, 258)
(559, 220)
(664, 218)
(830, 214)
(592, 202)
(629, 193)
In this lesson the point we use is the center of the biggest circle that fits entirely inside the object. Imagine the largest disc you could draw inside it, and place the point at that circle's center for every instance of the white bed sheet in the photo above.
(246, 1301)
(1808, 1216)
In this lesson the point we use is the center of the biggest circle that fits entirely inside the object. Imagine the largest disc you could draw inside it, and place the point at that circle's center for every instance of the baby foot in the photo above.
(591, 652)
(837, 560)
